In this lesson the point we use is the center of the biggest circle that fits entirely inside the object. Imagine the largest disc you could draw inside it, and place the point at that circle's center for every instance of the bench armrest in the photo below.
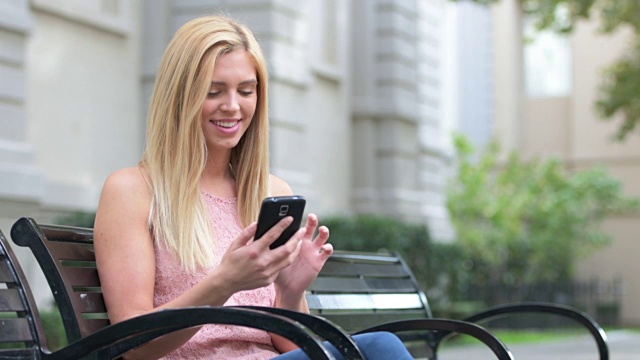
(448, 326)
(321, 327)
(116, 339)
(581, 317)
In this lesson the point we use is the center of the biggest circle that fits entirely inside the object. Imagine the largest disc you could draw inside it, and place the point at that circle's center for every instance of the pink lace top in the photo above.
(215, 341)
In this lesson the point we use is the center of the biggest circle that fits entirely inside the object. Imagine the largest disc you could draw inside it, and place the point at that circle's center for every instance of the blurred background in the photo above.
(495, 140)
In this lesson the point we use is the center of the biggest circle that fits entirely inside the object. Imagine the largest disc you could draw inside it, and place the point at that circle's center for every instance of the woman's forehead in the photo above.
(236, 65)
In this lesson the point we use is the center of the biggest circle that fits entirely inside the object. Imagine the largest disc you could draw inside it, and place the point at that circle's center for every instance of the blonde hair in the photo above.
(176, 152)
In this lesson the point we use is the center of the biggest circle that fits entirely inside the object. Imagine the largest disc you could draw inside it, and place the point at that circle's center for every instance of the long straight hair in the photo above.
(176, 152)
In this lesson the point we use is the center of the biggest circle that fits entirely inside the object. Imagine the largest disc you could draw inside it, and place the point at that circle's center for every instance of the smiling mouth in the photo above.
(226, 124)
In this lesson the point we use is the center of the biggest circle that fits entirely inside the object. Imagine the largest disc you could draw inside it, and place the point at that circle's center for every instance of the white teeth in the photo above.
(226, 124)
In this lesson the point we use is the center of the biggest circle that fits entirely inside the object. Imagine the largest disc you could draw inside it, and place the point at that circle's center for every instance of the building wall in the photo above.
(84, 119)
(356, 101)
(70, 113)
(546, 128)
(592, 145)
(569, 128)
(20, 180)
(364, 95)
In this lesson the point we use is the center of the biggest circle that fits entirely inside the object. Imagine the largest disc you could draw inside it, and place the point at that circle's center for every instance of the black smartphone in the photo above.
(274, 209)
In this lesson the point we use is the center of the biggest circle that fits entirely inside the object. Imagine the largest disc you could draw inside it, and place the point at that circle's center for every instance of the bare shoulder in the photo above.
(130, 180)
(279, 187)
(126, 192)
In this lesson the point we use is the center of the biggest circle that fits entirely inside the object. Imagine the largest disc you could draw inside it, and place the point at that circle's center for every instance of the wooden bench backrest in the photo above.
(21, 332)
(357, 290)
(354, 290)
(66, 257)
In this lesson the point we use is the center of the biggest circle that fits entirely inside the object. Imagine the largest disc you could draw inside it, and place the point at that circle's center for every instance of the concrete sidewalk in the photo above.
(623, 345)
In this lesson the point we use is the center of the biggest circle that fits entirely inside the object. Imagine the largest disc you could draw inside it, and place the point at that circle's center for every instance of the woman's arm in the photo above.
(124, 250)
(126, 257)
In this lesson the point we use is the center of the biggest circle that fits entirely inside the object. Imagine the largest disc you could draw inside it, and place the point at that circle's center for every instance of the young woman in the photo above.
(177, 230)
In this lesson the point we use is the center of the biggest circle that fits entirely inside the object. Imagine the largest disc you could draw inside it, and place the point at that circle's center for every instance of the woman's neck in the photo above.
(218, 179)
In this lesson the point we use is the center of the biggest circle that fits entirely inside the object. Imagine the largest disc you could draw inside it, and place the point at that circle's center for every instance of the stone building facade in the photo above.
(356, 103)
(364, 97)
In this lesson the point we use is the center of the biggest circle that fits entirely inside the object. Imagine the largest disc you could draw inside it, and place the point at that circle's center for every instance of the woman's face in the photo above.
(231, 101)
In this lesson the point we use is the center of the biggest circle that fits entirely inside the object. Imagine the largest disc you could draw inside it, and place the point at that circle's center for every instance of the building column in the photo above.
(509, 74)
(20, 178)
(22, 184)
(400, 158)
(385, 108)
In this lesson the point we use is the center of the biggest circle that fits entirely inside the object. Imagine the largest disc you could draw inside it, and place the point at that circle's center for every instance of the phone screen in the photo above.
(274, 209)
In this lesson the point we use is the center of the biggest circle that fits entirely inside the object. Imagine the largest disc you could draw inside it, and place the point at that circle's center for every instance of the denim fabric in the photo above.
(374, 346)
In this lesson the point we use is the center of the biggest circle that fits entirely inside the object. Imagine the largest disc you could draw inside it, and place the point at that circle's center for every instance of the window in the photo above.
(547, 63)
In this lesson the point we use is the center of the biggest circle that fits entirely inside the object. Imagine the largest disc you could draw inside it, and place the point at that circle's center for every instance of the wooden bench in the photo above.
(358, 291)
(22, 335)
(66, 257)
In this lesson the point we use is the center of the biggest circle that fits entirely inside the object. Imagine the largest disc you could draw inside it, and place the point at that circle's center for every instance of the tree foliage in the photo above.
(620, 91)
(528, 221)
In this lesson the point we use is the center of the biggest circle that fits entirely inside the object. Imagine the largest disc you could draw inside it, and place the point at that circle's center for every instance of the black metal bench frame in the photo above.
(23, 336)
(65, 254)
(358, 290)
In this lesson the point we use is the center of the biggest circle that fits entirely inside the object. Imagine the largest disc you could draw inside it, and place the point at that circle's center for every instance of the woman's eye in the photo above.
(213, 93)
(246, 92)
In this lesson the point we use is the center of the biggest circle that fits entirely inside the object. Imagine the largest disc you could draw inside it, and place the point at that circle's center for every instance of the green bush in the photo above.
(528, 221)
(53, 328)
(79, 218)
(376, 233)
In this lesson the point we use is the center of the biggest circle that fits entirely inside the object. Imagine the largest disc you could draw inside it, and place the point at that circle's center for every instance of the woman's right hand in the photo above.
(249, 263)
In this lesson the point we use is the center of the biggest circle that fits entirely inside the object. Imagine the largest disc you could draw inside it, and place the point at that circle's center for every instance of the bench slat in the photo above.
(363, 257)
(82, 276)
(72, 252)
(339, 268)
(362, 285)
(15, 330)
(6, 276)
(10, 300)
(364, 301)
(68, 234)
(357, 321)
(89, 302)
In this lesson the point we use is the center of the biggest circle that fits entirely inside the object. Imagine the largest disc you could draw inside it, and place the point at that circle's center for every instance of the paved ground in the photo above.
(623, 345)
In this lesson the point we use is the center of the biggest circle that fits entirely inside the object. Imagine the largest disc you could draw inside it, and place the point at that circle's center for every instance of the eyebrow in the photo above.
(246, 82)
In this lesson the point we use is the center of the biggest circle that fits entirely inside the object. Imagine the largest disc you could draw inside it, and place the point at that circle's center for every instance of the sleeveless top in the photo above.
(215, 341)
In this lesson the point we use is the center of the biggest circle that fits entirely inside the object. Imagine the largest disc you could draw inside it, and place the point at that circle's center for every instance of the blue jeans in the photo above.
(375, 345)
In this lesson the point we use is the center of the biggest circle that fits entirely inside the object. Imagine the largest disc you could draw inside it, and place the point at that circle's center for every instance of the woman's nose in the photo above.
(230, 103)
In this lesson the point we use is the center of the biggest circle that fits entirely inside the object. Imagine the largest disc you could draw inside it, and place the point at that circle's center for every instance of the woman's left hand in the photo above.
(296, 278)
